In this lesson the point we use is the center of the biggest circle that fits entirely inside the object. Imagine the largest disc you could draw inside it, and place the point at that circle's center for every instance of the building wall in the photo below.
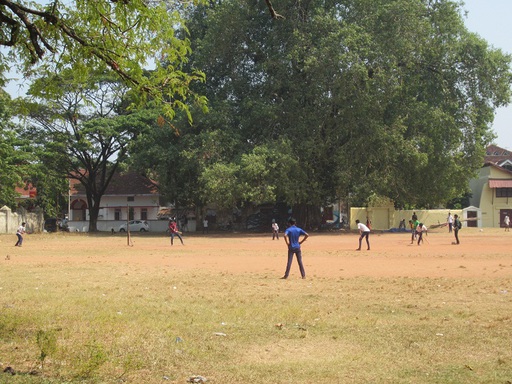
(491, 205)
(476, 186)
(384, 218)
(111, 203)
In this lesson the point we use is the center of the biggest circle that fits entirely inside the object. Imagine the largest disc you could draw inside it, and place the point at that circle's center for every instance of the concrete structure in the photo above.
(492, 194)
(385, 218)
(10, 221)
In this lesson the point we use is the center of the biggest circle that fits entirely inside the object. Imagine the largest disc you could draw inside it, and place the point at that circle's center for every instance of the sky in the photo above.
(491, 20)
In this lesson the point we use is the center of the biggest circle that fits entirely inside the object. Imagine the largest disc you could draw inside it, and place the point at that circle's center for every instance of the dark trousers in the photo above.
(420, 237)
(275, 234)
(364, 235)
(456, 233)
(20, 240)
(298, 253)
(175, 234)
(450, 226)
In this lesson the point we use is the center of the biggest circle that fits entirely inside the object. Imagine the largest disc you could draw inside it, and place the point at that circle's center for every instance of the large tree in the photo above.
(141, 44)
(383, 97)
(82, 130)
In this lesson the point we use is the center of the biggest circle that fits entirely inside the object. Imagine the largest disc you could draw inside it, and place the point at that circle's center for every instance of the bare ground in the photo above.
(482, 253)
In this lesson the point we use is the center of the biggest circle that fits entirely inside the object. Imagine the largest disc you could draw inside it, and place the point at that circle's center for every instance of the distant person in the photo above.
(414, 217)
(449, 220)
(275, 230)
(413, 225)
(205, 225)
(368, 223)
(506, 222)
(402, 224)
(420, 230)
(364, 232)
(293, 242)
(174, 231)
(456, 226)
(19, 233)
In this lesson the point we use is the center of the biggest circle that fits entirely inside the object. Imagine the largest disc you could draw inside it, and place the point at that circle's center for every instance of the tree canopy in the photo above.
(393, 98)
(124, 37)
(14, 157)
(140, 44)
(321, 101)
(84, 133)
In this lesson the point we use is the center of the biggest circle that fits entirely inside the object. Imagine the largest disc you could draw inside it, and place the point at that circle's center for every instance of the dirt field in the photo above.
(482, 253)
(149, 312)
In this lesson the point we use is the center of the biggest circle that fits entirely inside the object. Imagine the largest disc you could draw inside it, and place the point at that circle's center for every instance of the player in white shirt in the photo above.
(364, 231)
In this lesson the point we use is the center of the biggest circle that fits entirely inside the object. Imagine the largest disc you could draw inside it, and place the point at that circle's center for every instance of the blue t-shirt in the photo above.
(293, 233)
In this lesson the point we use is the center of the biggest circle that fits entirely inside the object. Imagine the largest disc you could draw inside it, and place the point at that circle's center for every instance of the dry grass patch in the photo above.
(83, 309)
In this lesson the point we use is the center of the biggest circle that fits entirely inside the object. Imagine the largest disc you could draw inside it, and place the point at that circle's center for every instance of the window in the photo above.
(130, 198)
(117, 214)
(503, 192)
(144, 214)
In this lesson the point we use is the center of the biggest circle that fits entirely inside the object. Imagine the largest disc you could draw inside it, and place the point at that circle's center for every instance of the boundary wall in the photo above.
(385, 218)
(10, 221)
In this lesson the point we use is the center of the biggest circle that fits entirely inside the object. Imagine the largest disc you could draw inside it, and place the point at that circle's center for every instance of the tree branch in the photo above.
(273, 13)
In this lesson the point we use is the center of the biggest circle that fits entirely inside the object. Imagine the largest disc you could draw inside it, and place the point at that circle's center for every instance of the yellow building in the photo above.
(492, 194)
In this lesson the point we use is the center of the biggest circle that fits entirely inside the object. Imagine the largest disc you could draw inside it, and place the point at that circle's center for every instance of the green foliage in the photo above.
(125, 38)
(269, 173)
(373, 97)
(93, 357)
(82, 133)
(15, 155)
(263, 175)
(47, 343)
(221, 184)
(343, 98)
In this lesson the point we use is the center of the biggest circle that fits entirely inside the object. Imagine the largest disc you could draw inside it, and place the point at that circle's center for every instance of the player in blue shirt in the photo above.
(292, 239)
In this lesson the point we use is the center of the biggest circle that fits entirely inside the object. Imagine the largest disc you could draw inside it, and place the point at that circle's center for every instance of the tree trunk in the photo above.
(94, 209)
(307, 216)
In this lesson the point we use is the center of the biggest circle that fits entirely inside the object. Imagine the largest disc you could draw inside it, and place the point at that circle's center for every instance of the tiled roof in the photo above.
(497, 155)
(124, 184)
(27, 191)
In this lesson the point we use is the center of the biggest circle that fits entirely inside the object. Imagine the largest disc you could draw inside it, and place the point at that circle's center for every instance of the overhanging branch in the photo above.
(273, 12)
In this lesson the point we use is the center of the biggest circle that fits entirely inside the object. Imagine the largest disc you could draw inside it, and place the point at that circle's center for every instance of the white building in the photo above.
(129, 196)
